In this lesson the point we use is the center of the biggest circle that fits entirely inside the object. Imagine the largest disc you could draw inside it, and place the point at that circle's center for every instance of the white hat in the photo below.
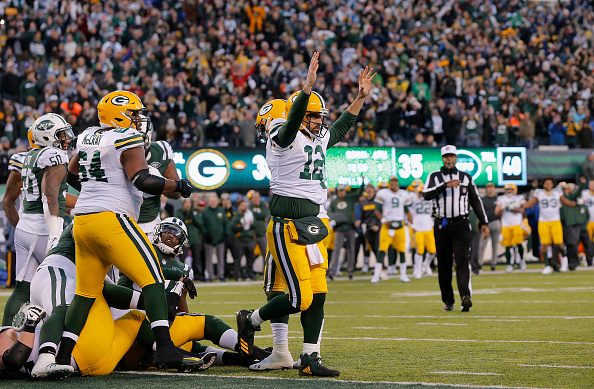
(448, 149)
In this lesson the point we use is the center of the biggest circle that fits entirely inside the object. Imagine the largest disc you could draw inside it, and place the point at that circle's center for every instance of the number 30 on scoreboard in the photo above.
(511, 165)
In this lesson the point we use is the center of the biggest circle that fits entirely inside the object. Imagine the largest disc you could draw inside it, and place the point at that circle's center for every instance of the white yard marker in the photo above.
(559, 367)
(463, 372)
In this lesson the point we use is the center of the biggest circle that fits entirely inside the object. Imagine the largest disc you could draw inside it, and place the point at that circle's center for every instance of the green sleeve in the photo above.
(172, 273)
(576, 193)
(332, 207)
(357, 193)
(125, 281)
(340, 127)
(378, 206)
(199, 222)
(288, 131)
(235, 225)
(406, 208)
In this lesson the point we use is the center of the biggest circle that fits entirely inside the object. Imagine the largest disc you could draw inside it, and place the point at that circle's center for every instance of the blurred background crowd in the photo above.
(464, 72)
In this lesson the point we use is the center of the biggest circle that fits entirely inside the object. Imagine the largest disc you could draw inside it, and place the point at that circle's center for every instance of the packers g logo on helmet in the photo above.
(315, 106)
(123, 109)
(120, 100)
(274, 109)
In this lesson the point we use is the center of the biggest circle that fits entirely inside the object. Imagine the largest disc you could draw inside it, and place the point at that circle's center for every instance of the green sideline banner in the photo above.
(246, 168)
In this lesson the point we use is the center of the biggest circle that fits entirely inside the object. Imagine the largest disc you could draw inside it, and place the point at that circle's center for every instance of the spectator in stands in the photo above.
(585, 137)
(557, 131)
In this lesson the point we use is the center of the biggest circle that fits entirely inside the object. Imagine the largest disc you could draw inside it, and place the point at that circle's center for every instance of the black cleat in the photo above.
(208, 358)
(448, 307)
(245, 332)
(466, 304)
(168, 357)
(311, 365)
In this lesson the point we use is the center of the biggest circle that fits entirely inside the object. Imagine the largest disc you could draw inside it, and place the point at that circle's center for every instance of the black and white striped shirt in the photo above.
(453, 202)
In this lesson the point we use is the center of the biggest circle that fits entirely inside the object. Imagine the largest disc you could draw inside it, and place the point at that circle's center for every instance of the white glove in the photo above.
(55, 226)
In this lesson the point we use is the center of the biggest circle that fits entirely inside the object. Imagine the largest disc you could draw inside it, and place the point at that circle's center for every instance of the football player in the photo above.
(587, 196)
(509, 206)
(391, 207)
(295, 153)
(422, 226)
(111, 172)
(39, 226)
(371, 223)
(550, 229)
(159, 157)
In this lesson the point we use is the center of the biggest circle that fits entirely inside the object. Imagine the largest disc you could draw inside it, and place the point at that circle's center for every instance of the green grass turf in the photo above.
(394, 332)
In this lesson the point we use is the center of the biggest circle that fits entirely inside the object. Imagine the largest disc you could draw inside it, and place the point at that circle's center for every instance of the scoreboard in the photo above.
(246, 168)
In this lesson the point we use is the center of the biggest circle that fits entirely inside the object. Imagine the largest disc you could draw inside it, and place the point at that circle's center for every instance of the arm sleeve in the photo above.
(288, 131)
(172, 273)
(74, 181)
(476, 203)
(433, 188)
(340, 128)
(148, 183)
(576, 193)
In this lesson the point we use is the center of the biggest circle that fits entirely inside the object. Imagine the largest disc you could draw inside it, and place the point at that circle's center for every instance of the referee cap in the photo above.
(448, 149)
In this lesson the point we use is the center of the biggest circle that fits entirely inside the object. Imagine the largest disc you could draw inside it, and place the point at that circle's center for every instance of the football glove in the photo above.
(184, 187)
(190, 287)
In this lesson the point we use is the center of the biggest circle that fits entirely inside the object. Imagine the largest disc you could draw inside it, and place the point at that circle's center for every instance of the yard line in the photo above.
(561, 367)
(448, 340)
(463, 372)
(452, 316)
(318, 379)
(443, 324)
(502, 320)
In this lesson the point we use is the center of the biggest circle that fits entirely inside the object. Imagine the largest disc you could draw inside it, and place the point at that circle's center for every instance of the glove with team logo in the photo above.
(190, 287)
(184, 187)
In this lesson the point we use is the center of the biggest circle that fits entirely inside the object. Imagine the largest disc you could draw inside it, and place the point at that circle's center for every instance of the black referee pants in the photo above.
(453, 242)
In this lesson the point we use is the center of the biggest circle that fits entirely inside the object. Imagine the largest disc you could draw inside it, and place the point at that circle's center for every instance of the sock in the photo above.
(255, 318)
(229, 339)
(366, 259)
(380, 258)
(161, 331)
(277, 307)
(378, 269)
(428, 259)
(520, 251)
(145, 336)
(282, 319)
(555, 258)
(220, 353)
(197, 347)
(312, 319)
(19, 295)
(309, 348)
(402, 269)
(545, 255)
(418, 264)
(156, 312)
(402, 257)
(508, 255)
(51, 331)
(280, 333)
(391, 256)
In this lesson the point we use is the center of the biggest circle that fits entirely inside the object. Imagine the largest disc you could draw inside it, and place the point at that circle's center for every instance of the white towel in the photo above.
(314, 254)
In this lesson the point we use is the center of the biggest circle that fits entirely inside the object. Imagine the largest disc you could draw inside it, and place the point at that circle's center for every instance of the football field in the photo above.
(525, 330)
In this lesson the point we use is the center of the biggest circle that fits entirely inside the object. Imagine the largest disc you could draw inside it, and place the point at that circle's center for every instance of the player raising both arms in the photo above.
(295, 153)
(111, 172)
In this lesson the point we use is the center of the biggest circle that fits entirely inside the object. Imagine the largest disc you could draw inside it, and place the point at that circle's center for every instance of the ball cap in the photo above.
(448, 149)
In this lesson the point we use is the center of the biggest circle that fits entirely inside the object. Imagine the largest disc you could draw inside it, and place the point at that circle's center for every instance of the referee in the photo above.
(452, 191)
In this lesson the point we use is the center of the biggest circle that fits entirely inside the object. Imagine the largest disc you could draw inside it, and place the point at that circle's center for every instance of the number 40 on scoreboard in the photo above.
(512, 165)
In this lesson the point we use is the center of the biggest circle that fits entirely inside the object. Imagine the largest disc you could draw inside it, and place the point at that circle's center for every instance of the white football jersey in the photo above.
(510, 218)
(549, 204)
(299, 169)
(421, 211)
(588, 198)
(393, 204)
(16, 161)
(105, 185)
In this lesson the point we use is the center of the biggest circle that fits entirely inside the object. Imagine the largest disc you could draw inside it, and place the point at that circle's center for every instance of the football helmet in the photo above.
(316, 106)
(274, 109)
(30, 138)
(51, 130)
(177, 228)
(416, 186)
(513, 187)
(124, 109)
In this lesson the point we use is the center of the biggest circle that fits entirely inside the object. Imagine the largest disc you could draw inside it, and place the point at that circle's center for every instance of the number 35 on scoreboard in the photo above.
(511, 165)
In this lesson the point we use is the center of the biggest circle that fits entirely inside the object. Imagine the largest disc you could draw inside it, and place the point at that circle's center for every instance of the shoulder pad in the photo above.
(51, 156)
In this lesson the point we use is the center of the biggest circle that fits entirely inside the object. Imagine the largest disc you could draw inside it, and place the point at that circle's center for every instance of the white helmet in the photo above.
(175, 227)
(51, 130)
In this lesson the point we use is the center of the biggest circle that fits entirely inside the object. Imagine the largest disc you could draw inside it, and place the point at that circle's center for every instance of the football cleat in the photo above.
(190, 364)
(509, 268)
(245, 332)
(547, 270)
(365, 269)
(168, 357)
(18, 320)
(311, 365)
(448, 307)
(466, 304)
(276, 361)
(404, 278)
(28, 315)
(391, 270)
(46, 367)
(208, 359)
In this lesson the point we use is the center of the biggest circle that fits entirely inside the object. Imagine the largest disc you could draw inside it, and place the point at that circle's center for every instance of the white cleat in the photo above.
(365, 269)
(275, 361)
(418, 276)
(391, 270)
(297, 364)
(384, 276)
(547, 270)
(374, 279)
(427, 270)
(522, 264)
(46, 367)
(404, 278)
(509, 268)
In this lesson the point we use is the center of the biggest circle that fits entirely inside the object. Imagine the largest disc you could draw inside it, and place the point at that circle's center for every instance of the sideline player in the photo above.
(111, 172)
(422, 225)
(44, 185)
(295, 154)
(509, 206)
(550, 229)
(391, 207)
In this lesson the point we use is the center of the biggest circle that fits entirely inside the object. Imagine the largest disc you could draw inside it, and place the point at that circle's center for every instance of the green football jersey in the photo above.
(158, 156)
(65, 246)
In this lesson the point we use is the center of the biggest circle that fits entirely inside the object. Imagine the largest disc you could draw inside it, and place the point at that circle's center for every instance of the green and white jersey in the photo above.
(393, 204)
(158, 156)
(32, 219)
(298, 170)
(588, 198)
(105, 187)
(16, 162)
(421, 211)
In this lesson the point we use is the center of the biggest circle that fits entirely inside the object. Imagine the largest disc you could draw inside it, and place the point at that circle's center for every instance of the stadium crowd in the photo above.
(465, 72)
